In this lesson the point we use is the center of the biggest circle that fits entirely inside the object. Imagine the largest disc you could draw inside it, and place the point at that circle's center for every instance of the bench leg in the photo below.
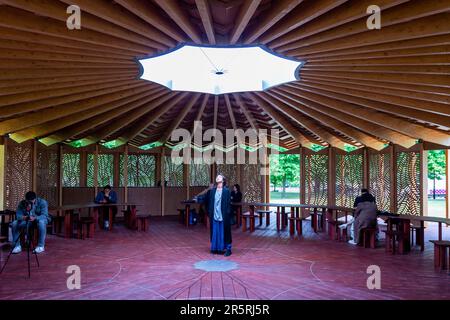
(267, 219)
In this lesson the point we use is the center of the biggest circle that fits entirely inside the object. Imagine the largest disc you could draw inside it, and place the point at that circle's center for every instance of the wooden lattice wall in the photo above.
(47, 173)
(315, 178)
(349, 178)
(408, 183)
(18, 175)
(380, 179)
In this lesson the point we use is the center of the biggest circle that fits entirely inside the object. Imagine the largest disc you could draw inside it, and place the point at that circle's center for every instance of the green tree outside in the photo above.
(284, 170)
(436, 167)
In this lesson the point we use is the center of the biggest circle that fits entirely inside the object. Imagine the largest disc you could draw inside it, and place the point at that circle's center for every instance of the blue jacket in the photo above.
(39, 210)
(101, 196)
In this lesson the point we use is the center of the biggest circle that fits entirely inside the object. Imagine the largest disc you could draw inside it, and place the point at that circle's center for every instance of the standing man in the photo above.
(35, 211)
(218, 203)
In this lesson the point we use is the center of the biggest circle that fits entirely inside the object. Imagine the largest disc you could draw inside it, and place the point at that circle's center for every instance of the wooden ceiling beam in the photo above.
(57, 10)
(434, 59)
(200, 113)
(304, 121)
(36, 118)
(337, 125)
(41, 39)
(406, 127)
(280, 120)
(279, 9)
(36, 105)
(207, 20)
(361, 124)
(20, 20)
(174, 125)
(405, 92)
(417, 79)
(405, 13)
(115, 111)
(35, 96)
(392, 69)
(88, 116)
(345, 13)
(8, 74)
(124, 122)
(230, 111)
(181, 18)
(246, 12)
(432, 25)
(302, 14)
(59, 51)
(216, 110)
(377, 83)
(146, 120)
(387, 102)
(119, 16)
(47, 56)
(17, 64)
(148, 12)
(246, 111)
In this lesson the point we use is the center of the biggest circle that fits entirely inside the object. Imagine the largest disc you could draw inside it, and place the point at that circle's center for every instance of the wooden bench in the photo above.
(296, 223)
(251, 218)
(393, 237)
(143, 222)
(369, 237)
(440, 253)
(261, 214)
(181, 213)
(333, 229)
(86, 227)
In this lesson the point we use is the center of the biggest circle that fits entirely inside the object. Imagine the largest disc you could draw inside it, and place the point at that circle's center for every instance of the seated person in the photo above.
(236, 196)
(35, 211)
(365, 215)
(107, 195)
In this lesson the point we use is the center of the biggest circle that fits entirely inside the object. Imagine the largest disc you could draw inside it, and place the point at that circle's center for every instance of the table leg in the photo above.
(283, 217)
(238, 217)
(422, 236)
(440, 230)
(68, 223)
(406, 238)
(291, 225)
(110, 214)
(314, 219)
(278, 218)
(186, 215)
(252, 218)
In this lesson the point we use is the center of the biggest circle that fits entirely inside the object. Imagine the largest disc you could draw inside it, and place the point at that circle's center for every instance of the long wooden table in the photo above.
(68, 211)
(295, 213)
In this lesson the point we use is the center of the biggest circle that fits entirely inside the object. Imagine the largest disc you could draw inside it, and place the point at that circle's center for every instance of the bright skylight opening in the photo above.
(218, 70)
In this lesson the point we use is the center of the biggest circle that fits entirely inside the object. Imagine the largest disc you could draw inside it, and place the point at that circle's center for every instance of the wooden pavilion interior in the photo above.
(368, 106)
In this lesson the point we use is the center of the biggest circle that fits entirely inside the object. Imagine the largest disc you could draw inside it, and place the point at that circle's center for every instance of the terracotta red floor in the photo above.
(123, 264)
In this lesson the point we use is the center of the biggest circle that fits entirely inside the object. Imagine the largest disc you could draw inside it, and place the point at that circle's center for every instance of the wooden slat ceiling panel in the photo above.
(358, 87)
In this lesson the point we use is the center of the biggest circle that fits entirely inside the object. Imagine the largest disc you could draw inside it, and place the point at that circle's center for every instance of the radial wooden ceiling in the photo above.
(358, 87)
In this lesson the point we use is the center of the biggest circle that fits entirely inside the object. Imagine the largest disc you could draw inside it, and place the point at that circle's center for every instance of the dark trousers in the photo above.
(105, 213)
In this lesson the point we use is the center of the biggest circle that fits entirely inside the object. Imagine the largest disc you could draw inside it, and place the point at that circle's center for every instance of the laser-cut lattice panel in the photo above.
(141, 170)
(173, 173)
(408, 183)
(71, 163)
(105, 174)
(199, 174)
(47, 169)
(229, 171)
(18, 175)
(349, 178)
(251, 178)
(380, 179)
(316, 179)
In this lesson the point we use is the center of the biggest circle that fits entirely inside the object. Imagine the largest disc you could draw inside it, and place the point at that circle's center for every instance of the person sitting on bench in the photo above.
(35, 210)
(365, 214)
(107, 195)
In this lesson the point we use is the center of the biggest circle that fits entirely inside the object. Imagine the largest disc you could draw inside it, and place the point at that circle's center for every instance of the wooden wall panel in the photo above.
(150, 197)
(172, 198)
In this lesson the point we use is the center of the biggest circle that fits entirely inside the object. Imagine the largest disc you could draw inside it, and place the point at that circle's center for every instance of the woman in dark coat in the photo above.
(236, 197)
(218, 204)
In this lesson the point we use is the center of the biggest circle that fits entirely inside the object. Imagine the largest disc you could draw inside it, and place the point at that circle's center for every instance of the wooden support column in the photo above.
(60, 174)
(447, 183)
(393, 178)
(83, 169)
(366, 169)
(423, 181)
(163, 180)
(116, 173)
(96, 169)
(186, 179)
(2, 172)
(34, 166)
(331, 176)
(125, 173)
(302, 175)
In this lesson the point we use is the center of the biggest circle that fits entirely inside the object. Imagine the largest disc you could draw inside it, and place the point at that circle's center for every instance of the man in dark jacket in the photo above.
(218, 203)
